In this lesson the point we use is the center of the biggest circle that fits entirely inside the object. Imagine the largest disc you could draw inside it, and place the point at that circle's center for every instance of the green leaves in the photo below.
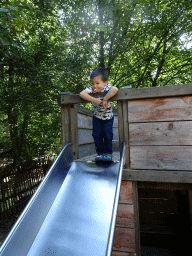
(44, 51)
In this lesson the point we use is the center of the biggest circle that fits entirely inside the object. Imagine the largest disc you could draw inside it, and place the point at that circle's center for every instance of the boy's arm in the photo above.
(110, 93)
(85, 95)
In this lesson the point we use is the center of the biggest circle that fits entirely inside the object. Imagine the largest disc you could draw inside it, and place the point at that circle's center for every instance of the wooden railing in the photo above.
(155, 123)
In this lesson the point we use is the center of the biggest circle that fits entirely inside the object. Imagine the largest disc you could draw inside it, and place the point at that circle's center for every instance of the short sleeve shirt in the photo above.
(99, 111)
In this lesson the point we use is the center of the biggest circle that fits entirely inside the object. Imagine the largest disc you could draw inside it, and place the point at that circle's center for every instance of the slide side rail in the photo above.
(115, 206)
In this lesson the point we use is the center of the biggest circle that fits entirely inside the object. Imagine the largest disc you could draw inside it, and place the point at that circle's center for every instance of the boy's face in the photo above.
(98, 84)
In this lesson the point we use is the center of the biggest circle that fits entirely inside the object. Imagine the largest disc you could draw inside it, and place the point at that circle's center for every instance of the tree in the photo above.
(51, 46)
(30, 60)
(139, 42)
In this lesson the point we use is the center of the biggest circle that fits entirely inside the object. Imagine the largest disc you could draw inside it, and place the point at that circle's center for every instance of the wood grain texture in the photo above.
(65, 123)
(120, 125)
(161, 133)
(125, 216)
(124, 240)
(158, 176)
(160, 109)
(84, 120)
(85, 136)
(132, 94)
(74, 130)
(126, 133)
(161, 157)
(117, 253)
(126, 193)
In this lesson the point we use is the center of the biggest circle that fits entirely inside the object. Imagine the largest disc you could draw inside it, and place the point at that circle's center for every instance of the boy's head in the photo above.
(102, 72)
(99, 79)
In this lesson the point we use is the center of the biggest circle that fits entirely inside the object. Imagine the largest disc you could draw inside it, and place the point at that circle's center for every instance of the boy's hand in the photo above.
(98, 101)
(105, 103)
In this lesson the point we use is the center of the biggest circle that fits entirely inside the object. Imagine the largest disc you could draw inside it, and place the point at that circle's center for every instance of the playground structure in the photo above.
(155, 124)
(72, 212)
(153, 133)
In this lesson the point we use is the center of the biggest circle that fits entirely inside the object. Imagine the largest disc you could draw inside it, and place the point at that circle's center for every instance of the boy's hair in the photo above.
(100, 72)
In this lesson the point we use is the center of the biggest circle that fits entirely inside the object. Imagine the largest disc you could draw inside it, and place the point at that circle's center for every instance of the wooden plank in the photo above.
(161, 133)
(133, 94)
(165, 185)
(125, 216)
(74, 130)
(85, 121)
(120, 125)
(84, 111)
(117, 253)
(161, 109)
(87, 150)
(124, 240)
(65, 125)
(126, 133)
(161, 157)
(126, 192)
(85, 136)
(157, 176)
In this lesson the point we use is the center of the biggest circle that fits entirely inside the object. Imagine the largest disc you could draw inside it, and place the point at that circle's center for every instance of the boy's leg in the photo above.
(98, 135)
(108, 135)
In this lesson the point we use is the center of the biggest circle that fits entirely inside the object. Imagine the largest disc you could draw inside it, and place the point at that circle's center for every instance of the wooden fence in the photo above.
(17, 185)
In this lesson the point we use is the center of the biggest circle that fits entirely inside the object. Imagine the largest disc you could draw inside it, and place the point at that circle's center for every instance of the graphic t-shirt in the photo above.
(99, 111)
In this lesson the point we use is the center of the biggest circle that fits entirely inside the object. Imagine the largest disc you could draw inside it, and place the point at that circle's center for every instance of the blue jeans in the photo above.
(103, 135)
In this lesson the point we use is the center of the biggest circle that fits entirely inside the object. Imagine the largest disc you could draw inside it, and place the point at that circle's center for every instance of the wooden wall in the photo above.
(160, 133)
(158, 139)
(126, 239)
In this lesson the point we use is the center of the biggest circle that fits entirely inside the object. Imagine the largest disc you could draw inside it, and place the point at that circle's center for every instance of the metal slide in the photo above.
(72, 213)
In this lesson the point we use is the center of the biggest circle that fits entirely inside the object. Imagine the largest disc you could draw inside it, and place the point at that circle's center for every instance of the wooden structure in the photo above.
(156, 124)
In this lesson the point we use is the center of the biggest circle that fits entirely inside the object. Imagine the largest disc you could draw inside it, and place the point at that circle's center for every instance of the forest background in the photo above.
(48, 47)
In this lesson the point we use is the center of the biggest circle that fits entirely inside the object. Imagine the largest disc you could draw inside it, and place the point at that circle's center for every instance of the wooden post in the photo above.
(122, 109)
(74, 129)
(120, 125)
(69, 126)
(65, 125)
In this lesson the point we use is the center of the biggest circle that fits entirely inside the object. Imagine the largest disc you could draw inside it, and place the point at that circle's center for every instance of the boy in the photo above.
(103, 114)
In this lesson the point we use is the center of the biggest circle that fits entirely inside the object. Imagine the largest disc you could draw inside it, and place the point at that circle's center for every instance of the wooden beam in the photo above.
(133, 94)
(65, 125)
(120, 125)
(165, 185)
(157, 176)
(74, 130)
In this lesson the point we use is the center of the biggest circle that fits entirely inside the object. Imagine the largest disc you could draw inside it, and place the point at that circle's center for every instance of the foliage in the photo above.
(29, 67)
(140, 42)
(51, 46)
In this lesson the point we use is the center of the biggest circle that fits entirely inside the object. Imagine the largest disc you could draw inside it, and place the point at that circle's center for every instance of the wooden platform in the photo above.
(116, 157)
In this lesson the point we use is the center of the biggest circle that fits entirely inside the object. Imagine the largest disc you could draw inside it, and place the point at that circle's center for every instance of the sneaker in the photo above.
(108, 157)
(99, 158)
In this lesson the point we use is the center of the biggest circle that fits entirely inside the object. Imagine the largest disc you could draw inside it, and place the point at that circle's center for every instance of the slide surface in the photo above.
(71, 212)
